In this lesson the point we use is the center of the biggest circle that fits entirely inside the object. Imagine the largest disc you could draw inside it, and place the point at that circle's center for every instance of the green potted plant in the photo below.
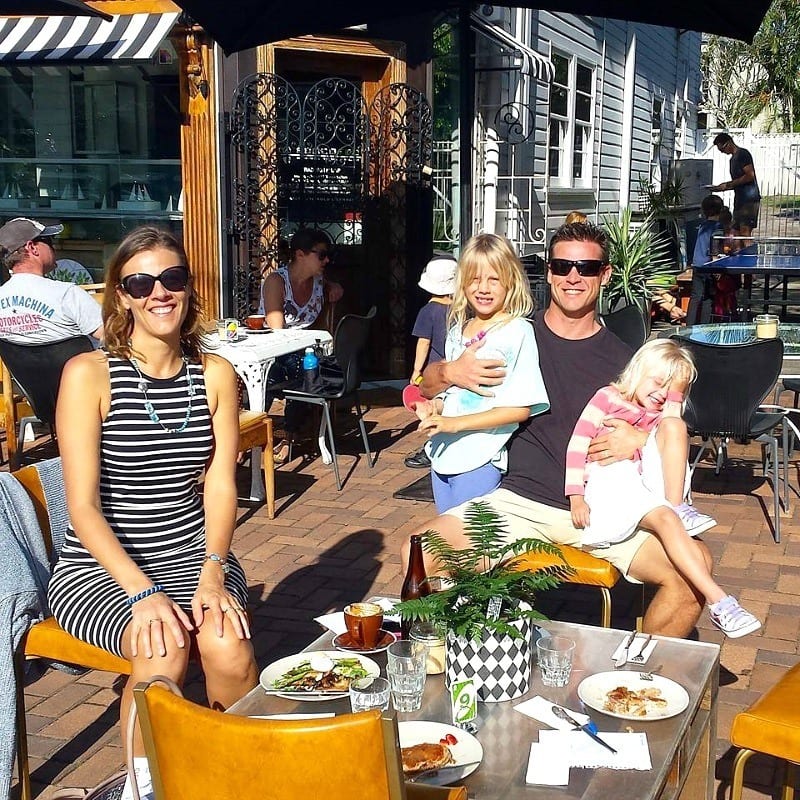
(487, 605)
(640, 259)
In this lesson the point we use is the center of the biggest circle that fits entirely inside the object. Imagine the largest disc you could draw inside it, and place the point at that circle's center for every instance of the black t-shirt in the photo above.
(747, 192)
(573, 370)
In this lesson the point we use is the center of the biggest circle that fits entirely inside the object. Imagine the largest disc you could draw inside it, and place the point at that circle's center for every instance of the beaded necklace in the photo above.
(148, 406)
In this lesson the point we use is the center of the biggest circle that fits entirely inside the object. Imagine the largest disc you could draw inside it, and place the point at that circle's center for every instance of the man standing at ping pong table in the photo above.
(746, 197)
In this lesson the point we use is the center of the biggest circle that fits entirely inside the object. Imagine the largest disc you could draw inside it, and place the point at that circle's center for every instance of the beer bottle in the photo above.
(414, 585)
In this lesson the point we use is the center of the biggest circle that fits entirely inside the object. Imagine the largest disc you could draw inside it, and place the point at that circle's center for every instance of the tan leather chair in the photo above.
(587, 571)
(196, 752)
(772, 726)
(255, 430)
(47, 639)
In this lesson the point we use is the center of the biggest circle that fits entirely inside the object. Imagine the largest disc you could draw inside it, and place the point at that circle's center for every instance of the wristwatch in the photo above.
(218, 559)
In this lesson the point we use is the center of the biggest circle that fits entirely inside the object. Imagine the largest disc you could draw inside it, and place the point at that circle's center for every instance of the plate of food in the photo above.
(428, 745)
(257, 331)
(319, 675)
(627, 696)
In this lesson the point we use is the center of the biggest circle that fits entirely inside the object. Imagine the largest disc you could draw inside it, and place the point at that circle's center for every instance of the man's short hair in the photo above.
(711, 205)
(722, 138)
(580, 232)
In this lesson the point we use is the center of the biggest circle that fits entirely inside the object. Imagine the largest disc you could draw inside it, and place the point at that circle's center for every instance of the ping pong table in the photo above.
(777, 260)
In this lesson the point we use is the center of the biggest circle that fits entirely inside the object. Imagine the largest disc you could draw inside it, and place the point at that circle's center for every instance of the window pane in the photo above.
(555, 134)
(583, 79)
(554, 163)
(561, 65)
(583, 108)
(558, 101)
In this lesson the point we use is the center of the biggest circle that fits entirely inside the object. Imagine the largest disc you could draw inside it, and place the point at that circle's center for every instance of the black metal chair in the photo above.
(340, 382)
(37, 371)
(629, 324)
(732, 382)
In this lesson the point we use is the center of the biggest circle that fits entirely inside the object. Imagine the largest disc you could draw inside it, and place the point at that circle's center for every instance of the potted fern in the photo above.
(487, 607)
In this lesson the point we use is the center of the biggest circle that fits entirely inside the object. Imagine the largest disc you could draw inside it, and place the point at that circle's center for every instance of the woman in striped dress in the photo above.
(146, 571)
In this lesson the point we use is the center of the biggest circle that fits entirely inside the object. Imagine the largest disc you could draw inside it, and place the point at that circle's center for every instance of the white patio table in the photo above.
(252, 356)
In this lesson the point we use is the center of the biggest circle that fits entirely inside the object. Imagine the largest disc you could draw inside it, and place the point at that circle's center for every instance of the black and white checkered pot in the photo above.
(499, 666)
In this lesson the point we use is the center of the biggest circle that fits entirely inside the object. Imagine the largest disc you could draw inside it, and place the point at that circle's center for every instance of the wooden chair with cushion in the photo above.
(255, 431)
(772, 726)
(588, 571)
(13, 407)
(195, 752)
(47, 639)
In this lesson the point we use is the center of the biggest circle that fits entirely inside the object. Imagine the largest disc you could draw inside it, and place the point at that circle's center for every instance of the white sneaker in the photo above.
(732, 619)
(694, 522)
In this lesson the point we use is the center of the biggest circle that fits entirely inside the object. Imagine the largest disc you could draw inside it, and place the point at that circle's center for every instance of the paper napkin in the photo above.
(633, 650)
(541, 709)
(547, 766)
(387, 604)
(333, 622)
(632, 749)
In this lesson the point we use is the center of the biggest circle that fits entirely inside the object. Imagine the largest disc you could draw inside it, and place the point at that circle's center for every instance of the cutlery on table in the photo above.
(428, 772)
(623, 656)
(586, 728)
(639, 657)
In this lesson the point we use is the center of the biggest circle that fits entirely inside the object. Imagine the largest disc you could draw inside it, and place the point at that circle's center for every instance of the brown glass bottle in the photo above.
(414, 585)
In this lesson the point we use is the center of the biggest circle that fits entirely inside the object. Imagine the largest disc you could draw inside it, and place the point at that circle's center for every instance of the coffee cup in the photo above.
(255, 322)
(364, 622)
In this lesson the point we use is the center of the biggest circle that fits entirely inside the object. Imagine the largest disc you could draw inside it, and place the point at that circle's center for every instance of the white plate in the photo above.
(593, 691)
(256, 331)
(276, 669)
(467, 750)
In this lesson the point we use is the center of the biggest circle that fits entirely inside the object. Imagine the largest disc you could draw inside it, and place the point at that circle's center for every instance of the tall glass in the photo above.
(406, 670)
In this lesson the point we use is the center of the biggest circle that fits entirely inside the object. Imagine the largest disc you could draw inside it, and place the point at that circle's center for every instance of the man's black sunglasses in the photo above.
(141, 284)
(587, 267)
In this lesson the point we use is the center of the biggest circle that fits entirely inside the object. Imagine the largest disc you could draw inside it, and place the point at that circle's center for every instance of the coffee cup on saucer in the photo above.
(364, 622)
(255, 322)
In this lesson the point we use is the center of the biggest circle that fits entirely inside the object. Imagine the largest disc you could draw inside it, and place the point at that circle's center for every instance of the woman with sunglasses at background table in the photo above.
(293, 297)
(145, 571)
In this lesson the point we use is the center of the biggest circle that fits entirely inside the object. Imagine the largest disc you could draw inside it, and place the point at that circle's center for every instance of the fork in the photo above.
(639, 657)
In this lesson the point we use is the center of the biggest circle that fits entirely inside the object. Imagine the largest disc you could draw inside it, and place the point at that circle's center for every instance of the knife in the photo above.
(623, 656)
(587, 728)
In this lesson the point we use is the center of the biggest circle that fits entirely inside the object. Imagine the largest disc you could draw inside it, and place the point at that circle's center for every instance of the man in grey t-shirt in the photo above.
(33, 308)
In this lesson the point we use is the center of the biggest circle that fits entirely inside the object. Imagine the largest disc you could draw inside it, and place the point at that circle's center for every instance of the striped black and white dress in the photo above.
(148, 494)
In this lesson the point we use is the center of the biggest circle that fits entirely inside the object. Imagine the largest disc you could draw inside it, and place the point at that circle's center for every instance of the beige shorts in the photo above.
(532, 520)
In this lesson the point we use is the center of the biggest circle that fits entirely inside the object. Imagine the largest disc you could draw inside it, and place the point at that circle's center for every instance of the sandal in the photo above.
(280, 453)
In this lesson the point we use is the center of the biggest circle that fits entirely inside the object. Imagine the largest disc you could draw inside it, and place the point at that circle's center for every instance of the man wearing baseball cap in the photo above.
(33, 308)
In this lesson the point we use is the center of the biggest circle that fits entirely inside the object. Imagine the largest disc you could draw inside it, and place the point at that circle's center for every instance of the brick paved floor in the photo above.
(327, 548)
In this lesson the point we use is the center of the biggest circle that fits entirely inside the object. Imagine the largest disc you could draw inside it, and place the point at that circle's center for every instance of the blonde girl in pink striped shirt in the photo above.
(609, 503)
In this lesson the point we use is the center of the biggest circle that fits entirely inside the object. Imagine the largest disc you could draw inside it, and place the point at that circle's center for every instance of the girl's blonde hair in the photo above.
(496, 252)
(118, 322)
(663, 356)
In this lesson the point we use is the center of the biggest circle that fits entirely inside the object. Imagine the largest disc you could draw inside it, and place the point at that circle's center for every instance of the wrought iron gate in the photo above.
(318, 155)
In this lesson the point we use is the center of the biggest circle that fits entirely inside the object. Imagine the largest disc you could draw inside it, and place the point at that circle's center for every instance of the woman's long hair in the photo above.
(117, 320)
(497, 252)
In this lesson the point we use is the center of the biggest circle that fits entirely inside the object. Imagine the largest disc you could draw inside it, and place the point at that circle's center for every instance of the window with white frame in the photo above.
(571, 122)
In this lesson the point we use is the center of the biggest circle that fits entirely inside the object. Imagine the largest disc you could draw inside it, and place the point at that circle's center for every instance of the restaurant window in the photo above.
(571, 124)
(95, 146)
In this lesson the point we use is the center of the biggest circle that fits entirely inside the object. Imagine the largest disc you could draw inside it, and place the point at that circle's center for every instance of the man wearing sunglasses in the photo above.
(34, 309)
(577, 356)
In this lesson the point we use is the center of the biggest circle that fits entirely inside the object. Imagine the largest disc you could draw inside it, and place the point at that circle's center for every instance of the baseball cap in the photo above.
(15, 233)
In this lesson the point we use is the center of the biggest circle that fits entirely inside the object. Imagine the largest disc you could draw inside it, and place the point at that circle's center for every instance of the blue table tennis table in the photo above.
(777, 260)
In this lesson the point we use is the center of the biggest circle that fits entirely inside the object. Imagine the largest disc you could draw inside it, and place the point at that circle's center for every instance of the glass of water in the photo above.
(555, 659)
(369, 693)
(406, 670)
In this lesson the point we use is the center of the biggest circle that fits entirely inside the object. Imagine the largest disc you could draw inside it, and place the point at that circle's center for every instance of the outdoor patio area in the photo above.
(326, 548)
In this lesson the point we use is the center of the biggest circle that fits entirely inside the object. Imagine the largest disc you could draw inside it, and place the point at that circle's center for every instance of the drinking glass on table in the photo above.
(555, 659)
(406, 670)
(369, 693)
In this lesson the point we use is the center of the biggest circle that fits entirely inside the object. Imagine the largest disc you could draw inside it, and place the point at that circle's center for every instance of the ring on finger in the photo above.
(152, 621)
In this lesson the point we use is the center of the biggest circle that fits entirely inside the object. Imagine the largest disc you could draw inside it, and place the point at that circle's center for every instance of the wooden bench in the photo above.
(772, 726)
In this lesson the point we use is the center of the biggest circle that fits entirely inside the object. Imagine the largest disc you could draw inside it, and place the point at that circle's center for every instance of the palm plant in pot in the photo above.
(487, 606)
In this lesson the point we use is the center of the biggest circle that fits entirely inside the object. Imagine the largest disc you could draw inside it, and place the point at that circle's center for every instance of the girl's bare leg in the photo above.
(672, 439)
(683, 551)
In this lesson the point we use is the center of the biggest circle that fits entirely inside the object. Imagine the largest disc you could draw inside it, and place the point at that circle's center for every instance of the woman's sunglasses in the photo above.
(587, 267)
(141, 284)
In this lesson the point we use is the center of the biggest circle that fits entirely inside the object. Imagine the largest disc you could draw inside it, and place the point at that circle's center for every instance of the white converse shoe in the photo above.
(694, 522)
(732, 619)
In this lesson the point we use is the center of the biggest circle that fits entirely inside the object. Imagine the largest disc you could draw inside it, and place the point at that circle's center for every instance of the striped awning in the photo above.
(127, 37)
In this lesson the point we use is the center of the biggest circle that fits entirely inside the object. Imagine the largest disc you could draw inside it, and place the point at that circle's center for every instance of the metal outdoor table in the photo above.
(252, 356)
(682, 748)
(775, 259)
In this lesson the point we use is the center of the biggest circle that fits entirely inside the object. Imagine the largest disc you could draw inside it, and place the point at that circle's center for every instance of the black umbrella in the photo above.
(247, 23)
(46, 8)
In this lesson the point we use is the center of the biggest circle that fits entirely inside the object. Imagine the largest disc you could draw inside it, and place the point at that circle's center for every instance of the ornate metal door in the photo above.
(316, 155)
